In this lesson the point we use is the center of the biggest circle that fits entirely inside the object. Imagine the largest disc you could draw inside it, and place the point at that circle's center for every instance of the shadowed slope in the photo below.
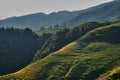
(82, 59)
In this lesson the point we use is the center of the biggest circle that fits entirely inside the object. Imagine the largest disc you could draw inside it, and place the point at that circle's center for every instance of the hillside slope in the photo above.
(64, 37)
(83, 59)
(113, 74)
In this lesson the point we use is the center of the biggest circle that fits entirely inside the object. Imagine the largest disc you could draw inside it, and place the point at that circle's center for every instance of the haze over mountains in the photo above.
(78, 45)
(103, 12)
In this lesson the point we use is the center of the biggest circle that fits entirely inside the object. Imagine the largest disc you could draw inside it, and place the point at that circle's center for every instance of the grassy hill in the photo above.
(95, 53)
(115, 73)
(64, 37)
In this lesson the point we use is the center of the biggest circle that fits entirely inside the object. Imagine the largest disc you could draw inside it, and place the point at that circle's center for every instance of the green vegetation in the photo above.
(45, 31)
(115, 73)
(59, 51)
(43, 38)
(49, 30)
(84, 59)
(17, 48)
(106, 33)
(64, 37)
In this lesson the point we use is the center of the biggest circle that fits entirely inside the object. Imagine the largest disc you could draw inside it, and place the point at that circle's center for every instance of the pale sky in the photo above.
(9, 8)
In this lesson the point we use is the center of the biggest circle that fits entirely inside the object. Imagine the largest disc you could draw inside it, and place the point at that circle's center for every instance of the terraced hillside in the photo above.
(64, 37)
(95, 53)
(113, 74)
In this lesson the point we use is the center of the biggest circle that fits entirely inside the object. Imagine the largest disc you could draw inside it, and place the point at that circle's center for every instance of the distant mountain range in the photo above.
(103, 12)
(38, 20)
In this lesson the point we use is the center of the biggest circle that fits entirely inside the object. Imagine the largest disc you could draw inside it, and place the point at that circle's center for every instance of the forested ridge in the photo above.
(17, 48)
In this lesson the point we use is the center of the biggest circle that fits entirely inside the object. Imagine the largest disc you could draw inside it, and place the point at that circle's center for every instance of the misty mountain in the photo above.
(38, 20)
(103, 12)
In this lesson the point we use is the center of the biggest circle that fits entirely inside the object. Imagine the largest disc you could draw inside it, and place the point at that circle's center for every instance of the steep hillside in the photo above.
(17, 48)
(108, 34)
(103, 12)
(113, 74)
(65, 36)
(43, 38)
(79, 60)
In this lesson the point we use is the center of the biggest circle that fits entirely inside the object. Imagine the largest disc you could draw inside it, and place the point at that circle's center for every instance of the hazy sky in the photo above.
(10, 8)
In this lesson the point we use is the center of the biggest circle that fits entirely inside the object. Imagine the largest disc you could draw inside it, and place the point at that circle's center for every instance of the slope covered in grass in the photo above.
(64, 37)
(80, 60)
(113, 74)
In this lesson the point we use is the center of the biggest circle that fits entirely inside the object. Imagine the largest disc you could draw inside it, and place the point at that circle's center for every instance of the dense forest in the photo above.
(17, 48)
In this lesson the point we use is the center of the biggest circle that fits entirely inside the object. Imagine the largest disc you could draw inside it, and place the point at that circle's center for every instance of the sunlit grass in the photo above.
(77, 60)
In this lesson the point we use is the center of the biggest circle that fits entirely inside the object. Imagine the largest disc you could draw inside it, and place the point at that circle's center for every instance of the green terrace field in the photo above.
(95, 53)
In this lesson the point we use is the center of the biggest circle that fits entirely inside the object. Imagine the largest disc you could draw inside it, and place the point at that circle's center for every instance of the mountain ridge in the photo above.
(68, 18)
